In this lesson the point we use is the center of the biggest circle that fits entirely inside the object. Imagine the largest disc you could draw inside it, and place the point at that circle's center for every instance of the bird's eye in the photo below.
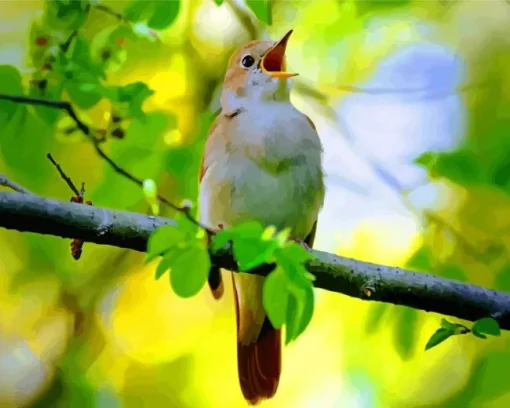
(247, 61)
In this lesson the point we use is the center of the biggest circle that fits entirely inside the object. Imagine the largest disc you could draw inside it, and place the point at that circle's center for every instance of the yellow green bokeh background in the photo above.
(142, 346)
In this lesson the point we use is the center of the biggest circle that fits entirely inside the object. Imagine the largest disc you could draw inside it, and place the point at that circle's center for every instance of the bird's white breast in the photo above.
(270, 172)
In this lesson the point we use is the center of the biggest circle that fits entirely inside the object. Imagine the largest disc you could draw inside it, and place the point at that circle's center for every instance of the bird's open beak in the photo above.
(273, 63)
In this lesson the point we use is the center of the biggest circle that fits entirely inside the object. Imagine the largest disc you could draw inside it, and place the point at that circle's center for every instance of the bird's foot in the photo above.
(302, 243)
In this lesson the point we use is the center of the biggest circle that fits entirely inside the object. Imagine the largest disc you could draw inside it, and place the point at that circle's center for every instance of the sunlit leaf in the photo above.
(295, 252)
(10, 84)
(189, 271)
(291, 258)
(162, 239)
(460, 166)
(66, 15)
(299, 310)
(275, 297)
(107, 49)
(438, 337)
(164, 265)
(136, 10)
(84, 94)
(261, 9)
(165, 13)
(282, 237)
(134, 95)
(252, 252)
(455, 328)
(487, 325)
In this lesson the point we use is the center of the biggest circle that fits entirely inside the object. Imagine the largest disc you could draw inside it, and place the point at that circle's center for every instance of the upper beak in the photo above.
(273, 63)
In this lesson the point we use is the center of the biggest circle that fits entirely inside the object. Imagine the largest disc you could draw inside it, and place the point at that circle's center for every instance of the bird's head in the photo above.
(257, 71)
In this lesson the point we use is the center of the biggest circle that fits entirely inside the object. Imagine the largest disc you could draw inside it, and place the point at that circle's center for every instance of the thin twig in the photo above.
(108, 10)
(64, 176)
(65, 46)
(6, 182)
(89, 134)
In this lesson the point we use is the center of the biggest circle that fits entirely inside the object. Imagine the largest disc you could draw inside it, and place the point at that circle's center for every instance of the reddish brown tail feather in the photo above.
(259, 363)
(216, 282)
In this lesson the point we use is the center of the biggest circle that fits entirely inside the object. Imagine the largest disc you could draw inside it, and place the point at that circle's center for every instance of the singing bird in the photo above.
(262, 161)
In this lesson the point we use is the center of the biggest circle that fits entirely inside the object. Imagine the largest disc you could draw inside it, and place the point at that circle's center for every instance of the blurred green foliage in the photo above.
(84, 51)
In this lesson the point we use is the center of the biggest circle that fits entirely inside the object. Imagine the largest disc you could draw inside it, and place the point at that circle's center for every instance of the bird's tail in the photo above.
(216, 282)
(259, 362)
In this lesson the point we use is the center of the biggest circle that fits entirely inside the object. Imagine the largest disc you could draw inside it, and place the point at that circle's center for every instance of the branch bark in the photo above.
(350, 277)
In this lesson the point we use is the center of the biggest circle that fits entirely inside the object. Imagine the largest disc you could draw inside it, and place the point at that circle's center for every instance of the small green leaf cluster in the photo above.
(288, 296)
(184, 253)
(261, 9)
(481, 328)
(68, 63)
(159, 14)
(467, 167)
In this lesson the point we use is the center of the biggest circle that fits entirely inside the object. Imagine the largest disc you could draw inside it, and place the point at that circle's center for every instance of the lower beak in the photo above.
(273, 63)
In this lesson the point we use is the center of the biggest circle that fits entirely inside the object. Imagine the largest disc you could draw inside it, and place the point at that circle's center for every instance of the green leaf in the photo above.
(427, 160)
(460, 166)
(295, 252)
(455, 328)
(50, 91)
(502, 281)
(189, 271)
(487, 325)
(10, 84)
(188, 227)
(137, 10)
(290, 258)
(421, 260)
(84, 95)
(165, 264)
(218, 2)
(299, 310)
(477, 334)
(261, 9)
(438, 337)
(452, 271)
(163, 239)
(65, 15)
(248, 229)
(107, 50)
(165, 13)
(179, 161)
(252, 252)
(275, 297)
(134, 95)
(375, 317)
(406, 331)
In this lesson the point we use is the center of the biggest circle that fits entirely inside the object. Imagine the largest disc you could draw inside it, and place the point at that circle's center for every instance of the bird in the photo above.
(262, 161)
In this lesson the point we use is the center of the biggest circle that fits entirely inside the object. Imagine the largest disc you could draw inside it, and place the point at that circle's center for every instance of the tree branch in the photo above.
(90, 135)
(354, 278)
(6, 182)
